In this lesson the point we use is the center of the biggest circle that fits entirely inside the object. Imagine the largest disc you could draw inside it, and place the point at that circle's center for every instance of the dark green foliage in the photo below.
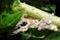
(36, 3)
(48, 8)
(5, 5)
(34, 33)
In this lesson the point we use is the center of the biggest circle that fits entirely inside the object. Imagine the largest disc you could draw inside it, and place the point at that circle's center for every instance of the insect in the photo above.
(27, 22)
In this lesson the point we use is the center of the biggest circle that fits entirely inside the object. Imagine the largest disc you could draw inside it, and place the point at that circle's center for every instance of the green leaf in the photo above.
(10, 19)
(53, 36)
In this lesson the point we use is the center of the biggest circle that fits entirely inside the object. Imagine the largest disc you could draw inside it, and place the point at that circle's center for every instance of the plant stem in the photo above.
(37, 13)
